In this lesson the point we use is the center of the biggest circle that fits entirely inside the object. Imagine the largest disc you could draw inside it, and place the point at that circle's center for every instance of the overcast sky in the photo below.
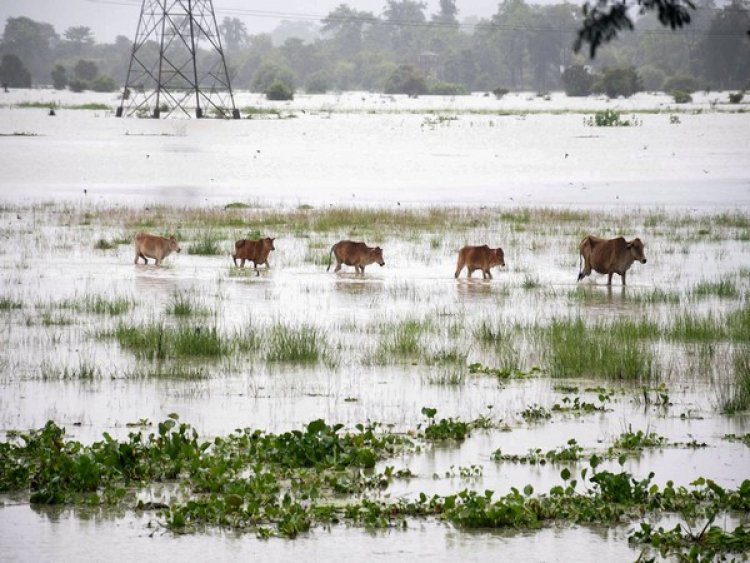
(109, 18)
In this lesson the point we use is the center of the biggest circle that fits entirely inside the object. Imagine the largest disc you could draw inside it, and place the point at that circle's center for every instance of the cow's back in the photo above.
(607, 254)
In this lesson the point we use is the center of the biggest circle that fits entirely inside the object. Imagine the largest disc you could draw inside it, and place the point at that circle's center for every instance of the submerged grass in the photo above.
(157, 341)
(303, 344)
(612, 350)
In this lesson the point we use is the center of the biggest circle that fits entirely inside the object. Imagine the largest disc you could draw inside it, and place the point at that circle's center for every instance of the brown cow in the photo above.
(356, 254)
(154, 246)
(479, 258)
(613, 256)
(256, 251)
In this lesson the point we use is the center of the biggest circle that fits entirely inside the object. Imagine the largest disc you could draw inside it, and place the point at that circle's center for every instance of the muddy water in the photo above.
(44, 262)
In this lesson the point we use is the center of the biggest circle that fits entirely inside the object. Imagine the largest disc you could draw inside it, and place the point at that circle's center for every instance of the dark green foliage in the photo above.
(500, 92)
(618, 81)
(681, 97)
(447, 89)
(406, 79)
(577, 81)
(77, 85)
(103, 84)
(736, 97)
(684, 82)
(13, 73)
(319, 82)
(85, 70)
(59, 77)
(279, 91)
(606, 18)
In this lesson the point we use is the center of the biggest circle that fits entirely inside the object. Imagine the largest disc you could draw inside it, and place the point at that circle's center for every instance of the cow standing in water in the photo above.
(256, 251)
(479, 258)
(356, 254)
(154, 246)
(613, 256)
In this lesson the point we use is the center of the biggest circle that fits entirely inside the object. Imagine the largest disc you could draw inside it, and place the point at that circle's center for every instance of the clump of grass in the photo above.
(157, 341)
(182, 304)
(102, 306)
(688, 326)
(104, 244)
(530, 282)
(83, 371)
(7, 303)
(207, 244)
(403, 340)
(304, 344)
(725, 289)
(737, 398)
(612, 351)
(56, 319)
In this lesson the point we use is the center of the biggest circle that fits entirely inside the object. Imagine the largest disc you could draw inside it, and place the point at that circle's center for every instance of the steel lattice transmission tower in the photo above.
(177, 65)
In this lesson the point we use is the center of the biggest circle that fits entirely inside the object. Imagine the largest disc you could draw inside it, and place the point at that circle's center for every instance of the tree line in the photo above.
(407, 50)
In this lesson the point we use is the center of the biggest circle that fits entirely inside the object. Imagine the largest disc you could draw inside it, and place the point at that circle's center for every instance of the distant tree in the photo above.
(13, 73)
(319, 82)
(103, 83)
(32, 42)
(447, 14)
(79, 37)
(271, 73)
(682, 82)
(618, 81)
(406, 79)
(85, 70)
(403, 18)
(577, 81)
(279, 90)
(59, 77)
(726, 48)
(234, 32)
(346, 27)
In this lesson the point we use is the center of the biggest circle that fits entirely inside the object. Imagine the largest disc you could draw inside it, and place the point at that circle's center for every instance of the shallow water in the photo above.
(362, 159)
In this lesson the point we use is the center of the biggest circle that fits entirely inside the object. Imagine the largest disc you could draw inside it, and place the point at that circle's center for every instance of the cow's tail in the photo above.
(330, 255)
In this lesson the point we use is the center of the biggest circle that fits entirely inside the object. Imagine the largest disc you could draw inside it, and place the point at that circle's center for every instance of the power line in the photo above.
(482, 25)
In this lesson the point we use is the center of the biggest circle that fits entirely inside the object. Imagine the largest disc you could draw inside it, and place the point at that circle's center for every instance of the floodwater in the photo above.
(340, 153)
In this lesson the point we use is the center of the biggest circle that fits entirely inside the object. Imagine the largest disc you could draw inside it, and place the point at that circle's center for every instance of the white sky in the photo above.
(109, 18)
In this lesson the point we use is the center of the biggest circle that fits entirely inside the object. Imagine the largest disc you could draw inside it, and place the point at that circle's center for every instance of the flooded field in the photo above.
(550, 393)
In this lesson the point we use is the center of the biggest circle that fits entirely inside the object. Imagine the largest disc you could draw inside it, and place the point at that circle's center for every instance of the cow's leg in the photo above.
(489, 274)
(242, 262)
(609, 278)
(459, 267)
(361, 269)
(338, 264)
(623, 277)
(158, 261)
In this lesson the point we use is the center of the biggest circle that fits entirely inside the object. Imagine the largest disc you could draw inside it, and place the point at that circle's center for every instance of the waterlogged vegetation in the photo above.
(323, 475)
(595, 387)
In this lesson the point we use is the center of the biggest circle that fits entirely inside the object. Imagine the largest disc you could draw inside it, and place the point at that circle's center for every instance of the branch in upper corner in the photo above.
(604, 19)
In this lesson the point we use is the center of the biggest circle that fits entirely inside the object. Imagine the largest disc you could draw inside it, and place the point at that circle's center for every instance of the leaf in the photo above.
(528, 490)
(565, 474)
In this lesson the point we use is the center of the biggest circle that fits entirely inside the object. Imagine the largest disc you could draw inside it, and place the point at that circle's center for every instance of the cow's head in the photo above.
(500, 256)
(173, 245)
(377, 255)
(268, 243)
(636, 249)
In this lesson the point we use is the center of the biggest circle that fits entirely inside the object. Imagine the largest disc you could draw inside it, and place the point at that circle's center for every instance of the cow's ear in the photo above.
(629, 245)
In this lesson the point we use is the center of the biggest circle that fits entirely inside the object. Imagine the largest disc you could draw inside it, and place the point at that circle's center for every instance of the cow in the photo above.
(356, 254)
(479, 258)
(256, 251)
(154, 246)
(613, 256)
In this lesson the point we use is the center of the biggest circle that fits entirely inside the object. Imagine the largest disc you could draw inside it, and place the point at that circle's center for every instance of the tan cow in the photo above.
(154, 246)
(356, 254)
(479, 258)
(256, 251)
(613, 256)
